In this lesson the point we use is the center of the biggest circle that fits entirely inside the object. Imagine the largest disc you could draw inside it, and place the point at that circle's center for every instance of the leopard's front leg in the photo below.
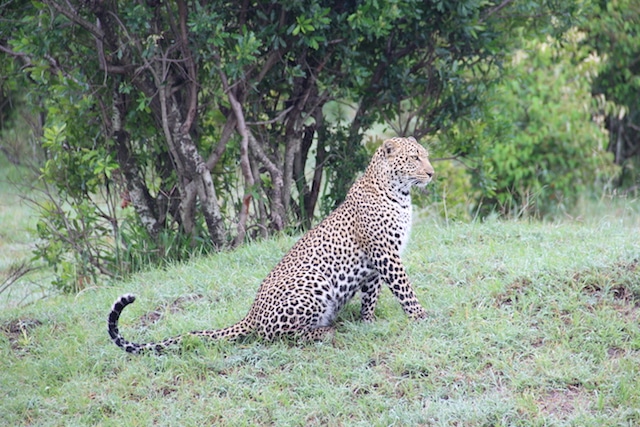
(394, 274)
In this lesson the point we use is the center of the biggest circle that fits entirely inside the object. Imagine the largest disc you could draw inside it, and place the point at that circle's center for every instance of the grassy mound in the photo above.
(530, 324)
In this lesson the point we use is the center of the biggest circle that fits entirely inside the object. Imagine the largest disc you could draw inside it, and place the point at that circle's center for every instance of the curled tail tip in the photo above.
(123, 301)
(114, 315)
(127, 298)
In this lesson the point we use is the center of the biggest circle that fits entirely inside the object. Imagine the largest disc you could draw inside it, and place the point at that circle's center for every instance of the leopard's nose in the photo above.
(429, 170)
(430, 173)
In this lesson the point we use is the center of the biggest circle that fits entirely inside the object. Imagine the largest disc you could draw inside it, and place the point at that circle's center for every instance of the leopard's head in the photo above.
(408, 162)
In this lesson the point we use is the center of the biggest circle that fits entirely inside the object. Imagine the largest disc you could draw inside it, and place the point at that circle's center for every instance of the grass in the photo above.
(531, 324)
(17, 236)
(15, 217)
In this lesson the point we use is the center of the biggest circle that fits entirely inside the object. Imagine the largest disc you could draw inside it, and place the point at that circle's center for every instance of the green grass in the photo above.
(15, 216)
(17, 236)
(530, 324)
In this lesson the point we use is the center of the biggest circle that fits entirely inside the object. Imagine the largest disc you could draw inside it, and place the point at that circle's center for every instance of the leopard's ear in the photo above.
(390, 147)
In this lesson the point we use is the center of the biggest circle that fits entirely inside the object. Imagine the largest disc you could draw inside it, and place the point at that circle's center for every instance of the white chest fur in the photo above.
(405, 226)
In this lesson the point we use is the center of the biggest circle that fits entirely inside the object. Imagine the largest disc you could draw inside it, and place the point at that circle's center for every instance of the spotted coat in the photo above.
(355, 249)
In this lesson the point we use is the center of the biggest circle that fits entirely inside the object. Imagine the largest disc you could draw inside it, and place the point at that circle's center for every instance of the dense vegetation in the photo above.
(160, 129)
(614, 36)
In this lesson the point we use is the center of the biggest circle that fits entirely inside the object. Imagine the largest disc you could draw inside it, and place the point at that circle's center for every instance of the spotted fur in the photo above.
(356, 248)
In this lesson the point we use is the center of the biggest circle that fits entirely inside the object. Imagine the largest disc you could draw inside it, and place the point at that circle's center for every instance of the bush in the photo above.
(538, 147)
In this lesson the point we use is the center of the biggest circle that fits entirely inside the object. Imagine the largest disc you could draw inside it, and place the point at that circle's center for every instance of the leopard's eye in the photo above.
(416, 157)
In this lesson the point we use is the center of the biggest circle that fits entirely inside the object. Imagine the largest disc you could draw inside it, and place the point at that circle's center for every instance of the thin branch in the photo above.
(241, 125)
(494, 10)
(14, 53)
(278, 118)
(74, 16)
(191, 69)
(227, 131)
(273, 57)
(456, 158)
(55, 68)
(242, 221)
(15, 272)
(632, 126)
(102, 60)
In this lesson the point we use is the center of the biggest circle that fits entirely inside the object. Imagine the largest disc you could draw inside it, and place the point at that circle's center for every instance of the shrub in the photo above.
(540, 148)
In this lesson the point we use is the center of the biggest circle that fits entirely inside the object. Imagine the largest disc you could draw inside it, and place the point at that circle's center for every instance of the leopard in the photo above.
(356, 248)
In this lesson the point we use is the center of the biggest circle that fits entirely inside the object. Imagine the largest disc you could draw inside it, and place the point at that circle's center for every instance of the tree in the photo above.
(212, 115)
(612, 32)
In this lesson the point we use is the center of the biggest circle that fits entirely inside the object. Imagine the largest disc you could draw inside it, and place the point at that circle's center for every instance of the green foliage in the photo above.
(611, 32)
(62, 230)
(19, 126)
(78, 222)
(538, 149)
(344, 162)
(139, 250)
(452, 194)
(615, 37)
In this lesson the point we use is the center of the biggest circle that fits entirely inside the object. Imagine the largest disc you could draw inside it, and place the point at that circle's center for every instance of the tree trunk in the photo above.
(278, 213)
(192, 173)
(141, 200)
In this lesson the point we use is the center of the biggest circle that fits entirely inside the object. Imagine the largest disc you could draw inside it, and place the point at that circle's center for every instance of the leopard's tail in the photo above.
(238, 330)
